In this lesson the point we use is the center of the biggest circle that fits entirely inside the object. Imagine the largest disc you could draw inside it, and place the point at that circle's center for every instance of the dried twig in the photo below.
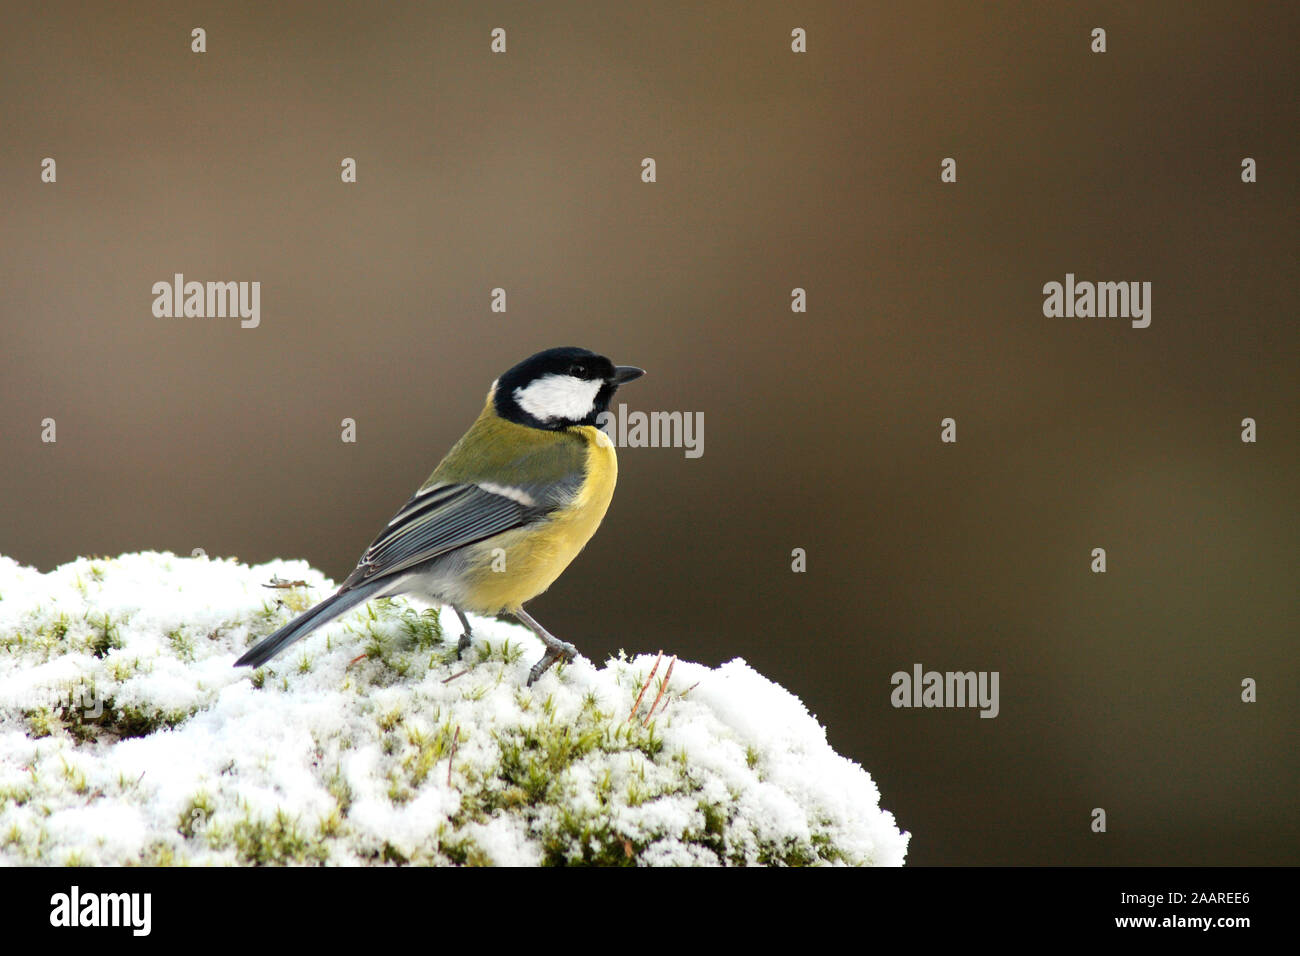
(359, 657)
(663, 686)
(681, 696)
(278, 582)
(644, 687)
(454, 676)
(454, 741)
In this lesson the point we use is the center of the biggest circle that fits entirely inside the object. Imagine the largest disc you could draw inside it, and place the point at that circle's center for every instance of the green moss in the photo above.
(181, 644)
(157, 854)
(15, 795)
(505, 652)
(457, 851)
(390, 721)
(331, 825)
(340, 791)
(531, 775)
(197, 815)
(424, 627)
(582, 841)
(532, 782)
(297, 599)
(430, 749)
(40, 723)
(104, 635)
(279, 841)
(264, 622)
(122, 669)
(391, 854)
(133, 721)
(824, 849)
(75, 777)
(52, 636)
(398, 792)
(392, 666)
(713, 836)
(382, 609)
(533, 757)
(112, 722)
(789, 853)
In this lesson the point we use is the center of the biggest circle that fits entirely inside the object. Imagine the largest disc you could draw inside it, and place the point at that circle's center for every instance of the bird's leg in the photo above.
(467, 638)
(556, 649)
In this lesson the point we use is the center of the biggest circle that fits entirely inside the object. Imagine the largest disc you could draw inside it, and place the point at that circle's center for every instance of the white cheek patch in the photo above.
(558, 396)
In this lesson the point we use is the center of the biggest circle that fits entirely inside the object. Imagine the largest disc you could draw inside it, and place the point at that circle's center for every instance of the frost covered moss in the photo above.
(126, 736)
(101, 720)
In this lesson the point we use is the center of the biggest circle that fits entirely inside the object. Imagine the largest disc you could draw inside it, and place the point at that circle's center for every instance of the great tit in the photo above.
(504, 513)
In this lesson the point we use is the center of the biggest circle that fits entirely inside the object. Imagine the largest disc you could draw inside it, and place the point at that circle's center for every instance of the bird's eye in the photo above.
(579, 371)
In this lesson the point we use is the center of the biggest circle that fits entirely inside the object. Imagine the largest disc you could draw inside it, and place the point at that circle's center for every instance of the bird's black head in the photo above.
(560, 387)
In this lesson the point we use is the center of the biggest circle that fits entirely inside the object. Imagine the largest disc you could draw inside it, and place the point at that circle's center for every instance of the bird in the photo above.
(504, 513)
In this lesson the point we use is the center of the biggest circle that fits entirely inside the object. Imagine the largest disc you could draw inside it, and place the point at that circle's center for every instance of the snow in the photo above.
(126, 735)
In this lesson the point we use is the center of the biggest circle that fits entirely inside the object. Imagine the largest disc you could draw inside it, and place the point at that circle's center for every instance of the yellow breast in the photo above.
(530, 559)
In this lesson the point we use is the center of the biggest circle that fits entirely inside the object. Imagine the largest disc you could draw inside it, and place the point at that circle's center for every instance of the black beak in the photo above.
(625, 373)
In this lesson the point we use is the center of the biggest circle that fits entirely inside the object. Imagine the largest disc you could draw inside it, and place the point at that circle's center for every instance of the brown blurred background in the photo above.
(775, 170)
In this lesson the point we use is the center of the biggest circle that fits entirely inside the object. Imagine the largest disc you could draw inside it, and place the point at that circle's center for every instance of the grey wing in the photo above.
(438, 521)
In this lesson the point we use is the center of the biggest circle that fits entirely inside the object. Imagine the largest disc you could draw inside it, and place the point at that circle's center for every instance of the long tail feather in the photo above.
(304, 624)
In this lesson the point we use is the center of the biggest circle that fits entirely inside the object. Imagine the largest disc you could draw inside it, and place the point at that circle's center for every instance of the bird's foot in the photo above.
(467, 635)
(556, 649)
(560, 650)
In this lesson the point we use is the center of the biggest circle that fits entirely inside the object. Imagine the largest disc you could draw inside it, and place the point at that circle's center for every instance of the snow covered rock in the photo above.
(126, 736)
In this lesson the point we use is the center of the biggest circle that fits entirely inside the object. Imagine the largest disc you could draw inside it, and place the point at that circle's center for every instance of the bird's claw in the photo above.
(561, 650)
